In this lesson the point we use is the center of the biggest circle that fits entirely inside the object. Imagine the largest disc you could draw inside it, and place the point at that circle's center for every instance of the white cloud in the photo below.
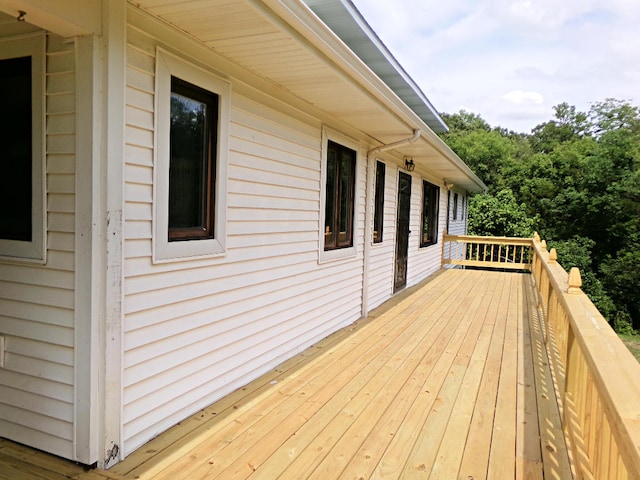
(467, 54)
(519, 97)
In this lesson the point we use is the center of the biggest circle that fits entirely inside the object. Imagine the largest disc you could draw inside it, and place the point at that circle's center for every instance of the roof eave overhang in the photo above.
(315, 31)
(347, 22)
(316, 43)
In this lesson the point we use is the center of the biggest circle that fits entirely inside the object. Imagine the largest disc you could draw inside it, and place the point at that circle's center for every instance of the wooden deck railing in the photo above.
(597, 380)
(489, 252)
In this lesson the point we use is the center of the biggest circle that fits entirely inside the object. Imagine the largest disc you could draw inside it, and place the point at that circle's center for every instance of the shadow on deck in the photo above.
(448, 380)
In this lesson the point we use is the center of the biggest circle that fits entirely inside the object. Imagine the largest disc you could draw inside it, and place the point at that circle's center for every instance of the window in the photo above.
(192, 116)
(339, 197)
(430, 200)
(455, 206)
(22, 211)
(378, 214)
(192, 162)
(15, 138)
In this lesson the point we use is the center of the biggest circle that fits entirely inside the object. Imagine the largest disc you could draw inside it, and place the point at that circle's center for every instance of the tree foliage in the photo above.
(576, 180)
(499, 215)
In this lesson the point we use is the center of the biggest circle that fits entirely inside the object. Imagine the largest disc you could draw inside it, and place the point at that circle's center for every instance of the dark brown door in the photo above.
(402, 231)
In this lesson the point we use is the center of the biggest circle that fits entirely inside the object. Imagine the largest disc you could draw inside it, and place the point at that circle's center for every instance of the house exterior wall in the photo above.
(382, 255)
(195, 330)
(458, 226)
(37, 300)
(424, 261)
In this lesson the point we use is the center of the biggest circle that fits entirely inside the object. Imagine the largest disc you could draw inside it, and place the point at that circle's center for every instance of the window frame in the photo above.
(329, 135)
(33, 251)
(378, 209)
(164, 250)
(430, 213)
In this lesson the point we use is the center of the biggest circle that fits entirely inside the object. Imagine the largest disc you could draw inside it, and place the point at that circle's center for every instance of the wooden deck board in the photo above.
(448, 380)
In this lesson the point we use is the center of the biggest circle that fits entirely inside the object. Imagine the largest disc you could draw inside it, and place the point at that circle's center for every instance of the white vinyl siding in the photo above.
(382, 255)
(37, 301)
(196, 330)
(458, 226)
(424, 261)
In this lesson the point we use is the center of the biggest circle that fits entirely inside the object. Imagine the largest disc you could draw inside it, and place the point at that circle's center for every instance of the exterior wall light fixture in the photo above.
(409, 164)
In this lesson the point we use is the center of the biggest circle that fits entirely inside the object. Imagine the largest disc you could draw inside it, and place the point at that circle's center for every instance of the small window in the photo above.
(378, 215)
(339, 196)
(194, 124)
(455, 206)
(430, 201)
(192, 118)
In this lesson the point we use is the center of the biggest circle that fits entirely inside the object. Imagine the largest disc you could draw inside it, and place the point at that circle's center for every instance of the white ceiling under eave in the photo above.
(286, 44)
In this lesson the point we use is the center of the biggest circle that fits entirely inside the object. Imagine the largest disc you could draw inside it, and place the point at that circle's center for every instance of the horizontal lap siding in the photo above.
(37, 301)
(458, 226)
(381, 269)
(197, 330)
(424, 261)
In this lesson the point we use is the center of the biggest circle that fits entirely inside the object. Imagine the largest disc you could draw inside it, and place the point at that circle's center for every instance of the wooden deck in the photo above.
(448, 380)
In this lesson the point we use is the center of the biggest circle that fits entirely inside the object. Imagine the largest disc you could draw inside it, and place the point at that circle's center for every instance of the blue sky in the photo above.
(511, 61)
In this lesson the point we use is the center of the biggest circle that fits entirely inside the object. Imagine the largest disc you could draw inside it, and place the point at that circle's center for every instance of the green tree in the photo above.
(487, 151)
(499, 215)
(576, 252)
(568, 125)
(576, 180)
(621, 277)
(464, 121)
(614, 115)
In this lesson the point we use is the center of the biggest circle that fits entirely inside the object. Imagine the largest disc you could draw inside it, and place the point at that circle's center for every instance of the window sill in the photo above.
(337, 254)
(168, 252)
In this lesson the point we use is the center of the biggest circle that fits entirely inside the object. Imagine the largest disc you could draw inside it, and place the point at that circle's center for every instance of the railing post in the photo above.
(575, 281)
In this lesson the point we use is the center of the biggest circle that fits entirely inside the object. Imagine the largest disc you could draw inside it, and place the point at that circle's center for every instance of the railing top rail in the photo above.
(491, 240)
